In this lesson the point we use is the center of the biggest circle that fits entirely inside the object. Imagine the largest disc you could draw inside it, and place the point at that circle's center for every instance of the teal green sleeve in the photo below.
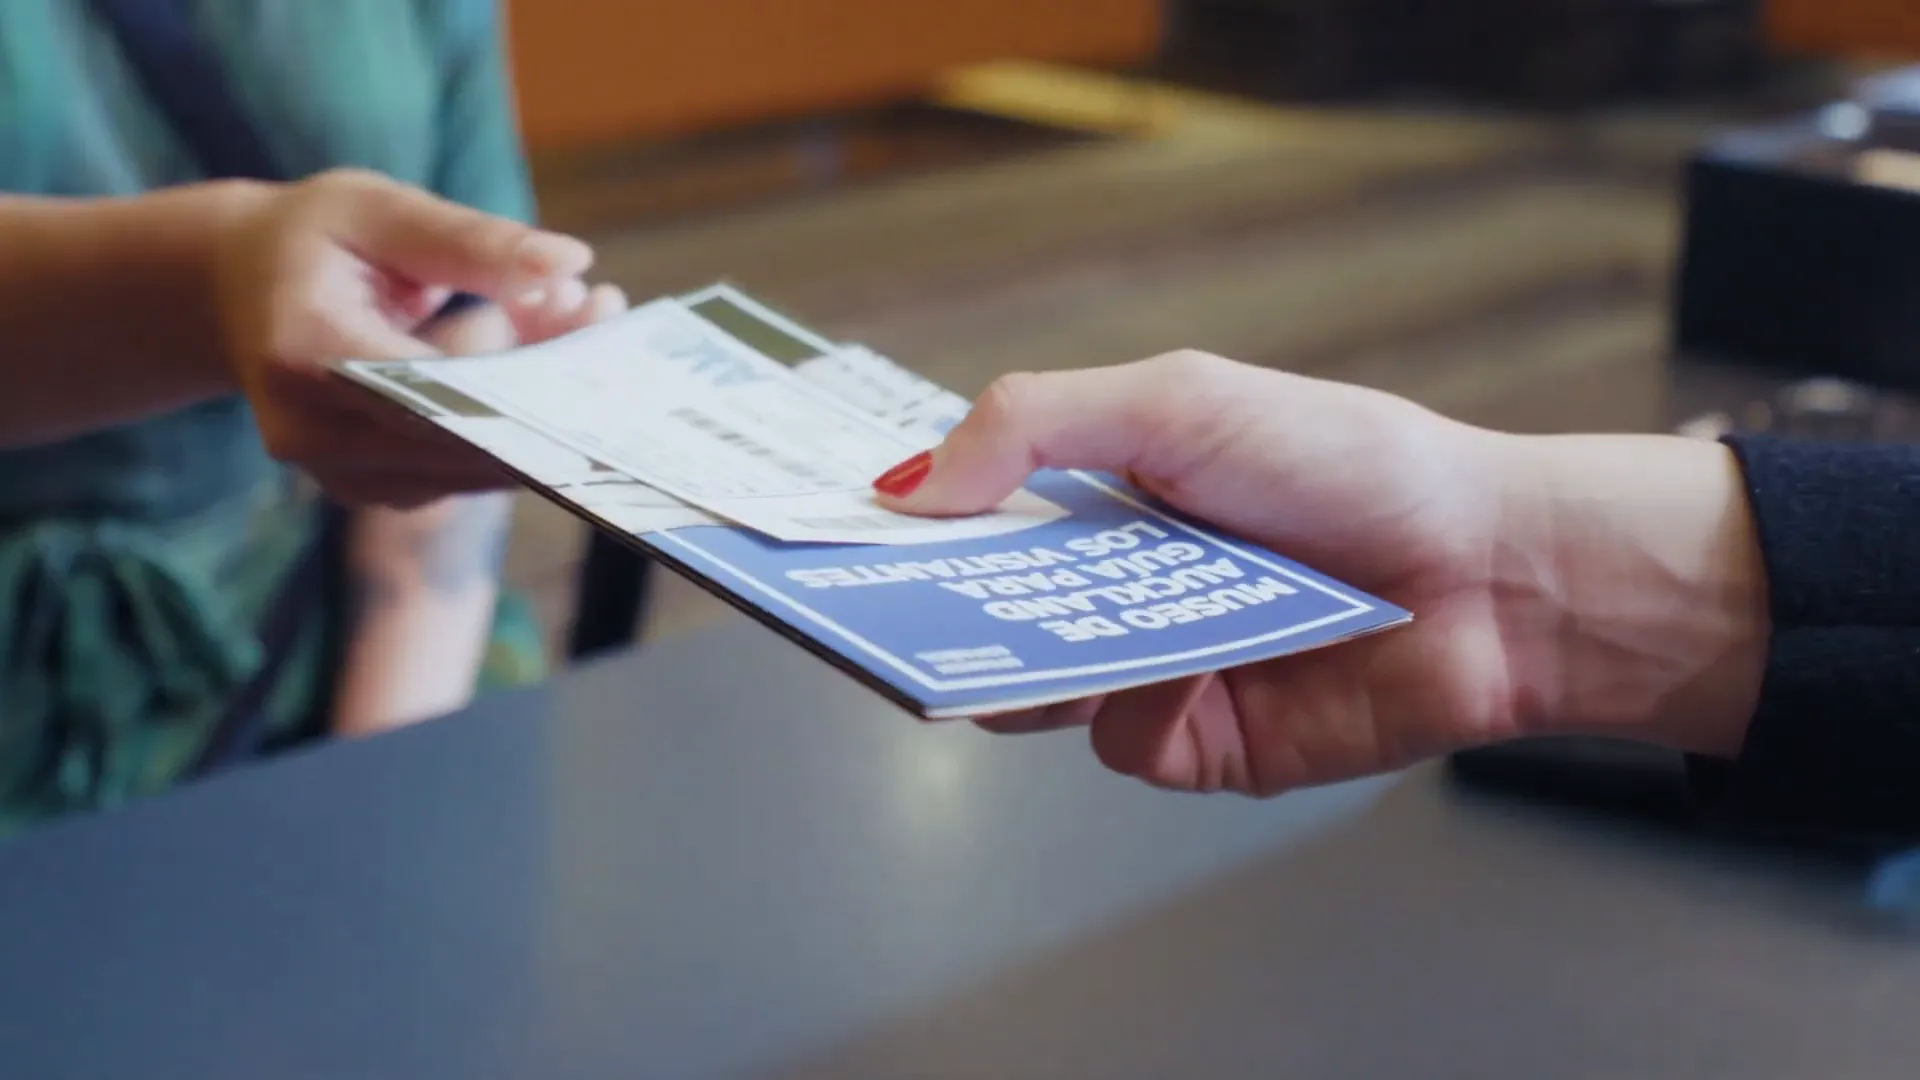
(480, 160)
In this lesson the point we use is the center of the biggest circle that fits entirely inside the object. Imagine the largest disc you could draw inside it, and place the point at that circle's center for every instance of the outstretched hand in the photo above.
(1464, 527)
(353, 265)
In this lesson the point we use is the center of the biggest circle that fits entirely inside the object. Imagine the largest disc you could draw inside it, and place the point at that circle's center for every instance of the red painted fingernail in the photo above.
(901, 480)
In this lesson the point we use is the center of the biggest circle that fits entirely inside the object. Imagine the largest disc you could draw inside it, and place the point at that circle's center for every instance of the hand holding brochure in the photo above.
(739, 447)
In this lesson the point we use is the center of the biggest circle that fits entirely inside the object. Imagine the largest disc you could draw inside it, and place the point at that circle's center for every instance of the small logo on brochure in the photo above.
(714, 363)
(969, 661)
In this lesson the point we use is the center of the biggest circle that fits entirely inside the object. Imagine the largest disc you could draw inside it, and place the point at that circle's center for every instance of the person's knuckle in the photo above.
(1007, 399)
(1113, 752)
(347, 179)
(1193, 368)
(297, 328)
(1192, 397)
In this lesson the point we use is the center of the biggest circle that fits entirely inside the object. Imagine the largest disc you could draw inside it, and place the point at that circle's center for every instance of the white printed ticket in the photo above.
(664, 397)
(593, 485)
(916, 408)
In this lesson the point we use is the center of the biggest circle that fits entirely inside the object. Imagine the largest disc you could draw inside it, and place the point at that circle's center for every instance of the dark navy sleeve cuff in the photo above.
(1834, 750)
(1839, 526)
(1834, 747)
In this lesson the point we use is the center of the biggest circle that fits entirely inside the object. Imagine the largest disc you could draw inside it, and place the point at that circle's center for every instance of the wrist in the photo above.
(166, 248)
(1631, 590)
(203, 224)
(110, 305)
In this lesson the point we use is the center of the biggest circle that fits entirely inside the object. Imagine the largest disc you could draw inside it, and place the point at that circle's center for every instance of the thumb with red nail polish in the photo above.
(1021, 421)
(904, 479)
(952, 480)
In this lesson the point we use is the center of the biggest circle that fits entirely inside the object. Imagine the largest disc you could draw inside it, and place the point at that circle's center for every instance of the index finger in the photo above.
(429, 240)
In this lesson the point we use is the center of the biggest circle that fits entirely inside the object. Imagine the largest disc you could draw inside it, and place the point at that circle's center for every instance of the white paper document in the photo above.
(918, 409)
(528, 452)
(593, 485)
(636, 508)
(668, 399)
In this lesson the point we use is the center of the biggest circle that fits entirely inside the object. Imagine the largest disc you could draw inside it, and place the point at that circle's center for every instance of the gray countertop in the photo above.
(721, 858)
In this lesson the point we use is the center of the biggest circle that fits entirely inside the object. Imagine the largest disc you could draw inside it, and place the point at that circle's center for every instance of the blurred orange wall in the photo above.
(1865, 29)
(593, 71)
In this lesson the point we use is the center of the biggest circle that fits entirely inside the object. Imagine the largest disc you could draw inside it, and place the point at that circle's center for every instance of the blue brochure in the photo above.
(1106, 589)
(1120, 593)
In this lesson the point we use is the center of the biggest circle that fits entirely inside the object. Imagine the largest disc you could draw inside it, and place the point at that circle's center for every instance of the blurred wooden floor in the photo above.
(1507, 271)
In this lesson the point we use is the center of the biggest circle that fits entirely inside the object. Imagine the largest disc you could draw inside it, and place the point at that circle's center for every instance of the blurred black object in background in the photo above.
(1613, 777)
(1726, 398)
(1552, 53)
(1802, 245)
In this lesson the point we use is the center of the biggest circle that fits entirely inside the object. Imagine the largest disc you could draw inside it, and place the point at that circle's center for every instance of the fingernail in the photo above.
(568, 296)
(532, 298)
(905, 478)
(609, 299)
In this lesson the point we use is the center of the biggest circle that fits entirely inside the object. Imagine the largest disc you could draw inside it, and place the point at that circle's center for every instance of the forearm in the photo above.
(108, 309)
(1634, 593)
(425, 585)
